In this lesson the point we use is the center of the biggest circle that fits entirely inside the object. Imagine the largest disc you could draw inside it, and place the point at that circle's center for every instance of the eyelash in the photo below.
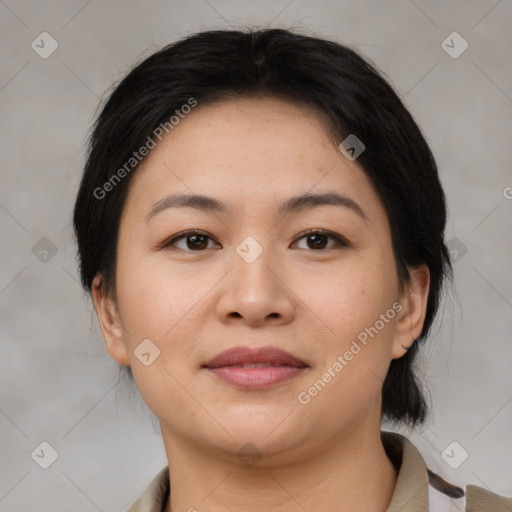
(338, 240)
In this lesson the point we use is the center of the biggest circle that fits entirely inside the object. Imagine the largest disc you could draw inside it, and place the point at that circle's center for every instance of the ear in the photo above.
(410, 319)
(110, 325)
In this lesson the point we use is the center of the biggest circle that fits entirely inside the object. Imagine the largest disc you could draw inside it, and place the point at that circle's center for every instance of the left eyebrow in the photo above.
(296, 203)
(307, 201)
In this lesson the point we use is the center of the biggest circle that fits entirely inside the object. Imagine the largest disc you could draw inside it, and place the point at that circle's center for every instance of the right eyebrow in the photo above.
(199, 202)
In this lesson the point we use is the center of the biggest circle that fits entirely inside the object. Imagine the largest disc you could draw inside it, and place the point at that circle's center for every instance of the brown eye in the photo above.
(317, 241)
(196, 242)
(190, 241)
(320, 240)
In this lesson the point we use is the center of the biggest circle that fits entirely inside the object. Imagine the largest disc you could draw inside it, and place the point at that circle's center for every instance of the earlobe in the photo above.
(110, 325)
(412, 316)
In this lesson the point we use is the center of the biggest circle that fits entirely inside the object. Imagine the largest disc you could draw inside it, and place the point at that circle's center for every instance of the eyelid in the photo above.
(340, 240)
(168, 242)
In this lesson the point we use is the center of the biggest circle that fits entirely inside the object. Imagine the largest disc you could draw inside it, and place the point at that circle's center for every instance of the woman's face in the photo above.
(253, 277)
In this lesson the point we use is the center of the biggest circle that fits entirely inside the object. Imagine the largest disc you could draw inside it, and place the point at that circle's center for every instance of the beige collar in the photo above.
(411, 488)
(411, 492)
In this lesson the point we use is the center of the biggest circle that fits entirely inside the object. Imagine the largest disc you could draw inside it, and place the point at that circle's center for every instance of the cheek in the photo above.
(352, 296)
(156, 303)
(356, 349)
(153, 296)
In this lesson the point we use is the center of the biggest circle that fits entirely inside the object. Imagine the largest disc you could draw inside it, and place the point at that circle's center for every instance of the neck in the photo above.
(354, 474)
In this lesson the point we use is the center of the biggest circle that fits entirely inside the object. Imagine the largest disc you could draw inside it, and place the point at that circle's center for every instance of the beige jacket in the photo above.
(417, 489)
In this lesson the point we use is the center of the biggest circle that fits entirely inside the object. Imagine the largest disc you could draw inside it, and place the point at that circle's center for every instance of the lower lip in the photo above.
(256, 378)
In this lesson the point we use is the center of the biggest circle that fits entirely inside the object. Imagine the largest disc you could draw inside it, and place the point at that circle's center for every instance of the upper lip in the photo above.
(247, 355)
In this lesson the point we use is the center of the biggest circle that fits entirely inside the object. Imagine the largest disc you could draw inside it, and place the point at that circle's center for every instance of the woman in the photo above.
(260, 224)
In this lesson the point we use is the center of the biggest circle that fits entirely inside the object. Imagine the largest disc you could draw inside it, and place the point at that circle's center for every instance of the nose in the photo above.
(256, 294)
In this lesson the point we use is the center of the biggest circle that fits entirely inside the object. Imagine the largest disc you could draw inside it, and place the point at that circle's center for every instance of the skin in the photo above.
(253, 154)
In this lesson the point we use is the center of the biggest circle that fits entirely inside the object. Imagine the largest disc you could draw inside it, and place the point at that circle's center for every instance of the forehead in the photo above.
(249, 152)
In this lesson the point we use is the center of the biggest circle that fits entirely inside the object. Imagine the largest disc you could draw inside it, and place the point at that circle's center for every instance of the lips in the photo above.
(255, 368)
(247, 357)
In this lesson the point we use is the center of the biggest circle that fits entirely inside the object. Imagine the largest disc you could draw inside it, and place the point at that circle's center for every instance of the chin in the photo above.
(268, 432)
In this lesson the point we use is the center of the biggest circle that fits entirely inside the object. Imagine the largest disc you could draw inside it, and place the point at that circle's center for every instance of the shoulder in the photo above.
(444, 496)
(420, 489)
(479, 499)
(154, 497)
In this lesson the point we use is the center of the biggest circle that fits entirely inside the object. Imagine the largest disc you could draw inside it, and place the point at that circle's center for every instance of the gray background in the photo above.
(59, 385)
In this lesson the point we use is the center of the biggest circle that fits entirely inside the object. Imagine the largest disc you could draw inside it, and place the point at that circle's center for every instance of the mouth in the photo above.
(255, 368)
